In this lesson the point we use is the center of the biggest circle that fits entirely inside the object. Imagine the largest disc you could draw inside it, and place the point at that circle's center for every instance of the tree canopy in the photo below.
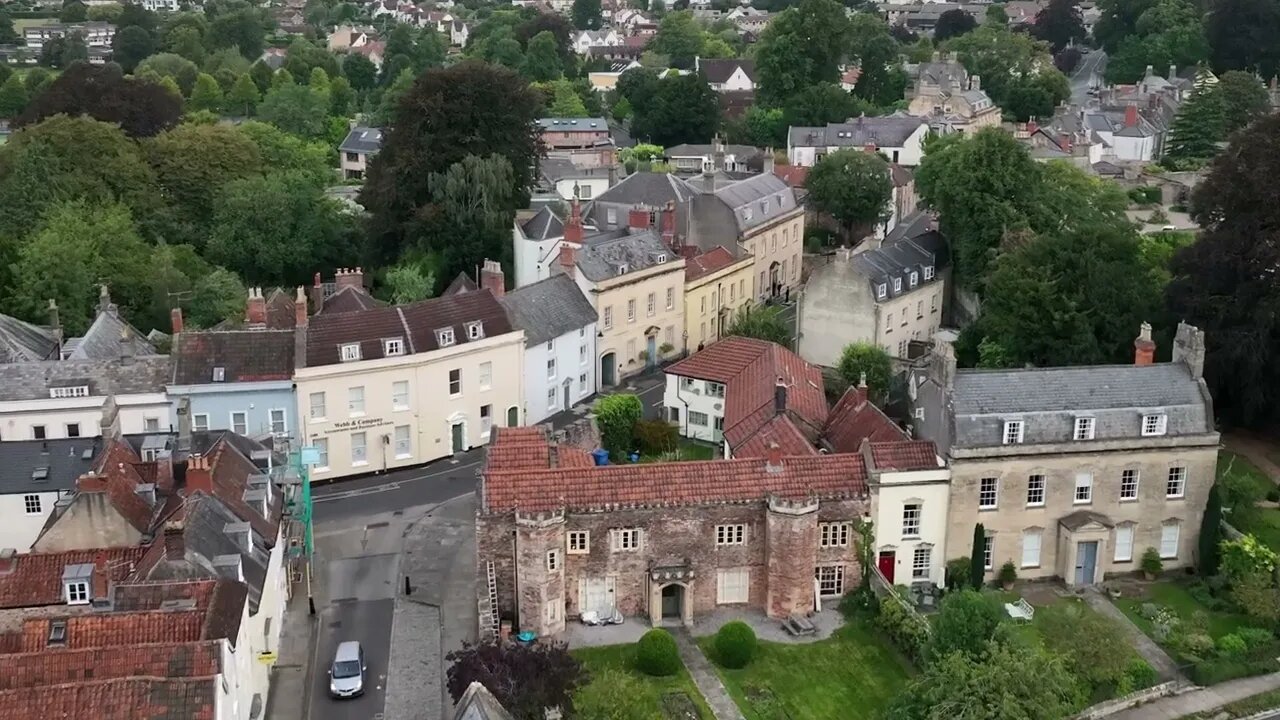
(763, 322)
(870, 361)
(953, 23)
(1059, 24)
(802, 46)
(1164, 33)
(676, 109)
(854, 188)
(141, 108)
(1017, 71)
(525, 679)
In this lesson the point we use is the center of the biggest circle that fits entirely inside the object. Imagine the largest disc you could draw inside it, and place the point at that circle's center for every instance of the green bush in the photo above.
(906, 630)
(1273, 495)
(1256, 661)
(735, 645)
(1231, 645)
(1139, 675)
(1008, 573)
(1151, 562)
(1255, 637)
(616, 416)
(654, 437)
(958, 573)
(1145, 195)
(656, 654)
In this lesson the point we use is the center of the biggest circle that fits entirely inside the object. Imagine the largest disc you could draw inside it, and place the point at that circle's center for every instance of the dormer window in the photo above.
(445, 337)
(475, 330)
(1154, 424)
(914, 279)
(746, 213)
(897, 285)
(76, 580)
(350, 352)
(219, 374)
(69, 392)
(882, 290)
(661, 258)
(1084, 428)
(393, 346)
(764, 207)
(622, 268)
(928, 272)
(1013, 432)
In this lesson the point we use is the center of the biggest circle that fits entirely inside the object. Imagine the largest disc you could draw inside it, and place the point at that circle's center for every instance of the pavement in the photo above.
(705, 678)
(1204, 701)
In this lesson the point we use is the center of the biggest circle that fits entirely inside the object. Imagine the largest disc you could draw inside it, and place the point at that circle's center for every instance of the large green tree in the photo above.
(763, 322)
(1059, 24)
(1169, 32)
(13, 97)
(182, 70)
(141, 108)
(1242, 35)
(803, 45)
(1017, 70)
(192, 163)
(542, 58)
(239, 25)
(682, 109)
(360, 72)
(8, 36)
(854, 188)
(818, 105)
(426, 138)
(1225, 284)
(966, 623)
(1197, 129)
(281, 151)
(243, 97)
(953, 23)
(205, 95)
(586, 14)
(867, 361)
(679, 37)
(298, 109)
(472, 206)
(1244, 100)
(881, 80)
(131, 46)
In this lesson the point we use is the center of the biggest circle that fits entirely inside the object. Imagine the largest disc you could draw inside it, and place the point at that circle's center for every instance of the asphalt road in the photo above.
(1084, 77)
(362, 591)
(347, 501)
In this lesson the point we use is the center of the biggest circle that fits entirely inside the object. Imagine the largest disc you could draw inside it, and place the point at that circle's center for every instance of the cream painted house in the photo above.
(1074, 472)
(636, 284)
(716, 288)
(75, 398)
(395, 386)
(888, 295)
(910, 511)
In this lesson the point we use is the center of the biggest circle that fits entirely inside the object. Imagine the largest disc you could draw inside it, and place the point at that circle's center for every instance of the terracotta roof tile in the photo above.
(171, 660)
(854, 419)
(779, 430)
(35, 579)
(718, 258)
(905, 455)
(130, 699)
(117, 475)
(116, 628)
(153, 594)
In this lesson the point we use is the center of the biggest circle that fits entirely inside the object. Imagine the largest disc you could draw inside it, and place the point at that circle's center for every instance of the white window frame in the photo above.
(1124, 550)
(32, 500)
(989, 552)
(243, 428)
(1030, 560)
(830, 580)
(733, 534)
(200, 422)
(897, 284)
(928, 272)
(322, 450)
(355, 401)
(1083, 492)
(911, 514)
(151, 424)
(652, 304)
(882, 291)
(921, 562)
(485, 381)
(551, 368)
(363, 457)
(284, 421)
(994, 493)
(350, 352)
(445, 337)
(1175, 485)
(392, 347)
(399, 400)
(317, 410)
(631, 310)
(1166, 529)
(733, 586)
(403, 448)
(475, 330)
(671, 298)
(1012, 432)
(913, 279)
(700, 419)
(1154, 424)
(1084, 428)
(1130, 479)
(608, 317)
(579, 542)
(834, 534)
(1032, 490)
(77, 593)
(455, 393)
(625, 539)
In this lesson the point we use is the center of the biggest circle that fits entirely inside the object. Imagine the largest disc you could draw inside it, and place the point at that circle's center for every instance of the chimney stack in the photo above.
(780, 396)
(773, 459)
(1188, 348)
(255, 310)
(638, 218)
(349, 277)
(1173, 73)
(54, 321)
(768, 161)
(175, 544)
(300, 308)
(491, 277)
(975, 82)
(568, 259)
(668, 222)
(1130, 116)
(175, 320)
(862, 389)
(1144, 348)
(573, 229)
(199, 476)
(8, 559)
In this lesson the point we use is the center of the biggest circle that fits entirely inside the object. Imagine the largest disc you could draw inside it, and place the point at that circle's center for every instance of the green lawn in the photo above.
(1175, 596)
(851, 675)
(621, 657)
(1262, 523)
(685, 451)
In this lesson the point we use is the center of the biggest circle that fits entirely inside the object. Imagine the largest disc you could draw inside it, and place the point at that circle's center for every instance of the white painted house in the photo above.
(728, 75)
(696, 406)
(559, 325)
(537, 242)
(34, 475)
(909, 511)
(900, 138)
(75, 398)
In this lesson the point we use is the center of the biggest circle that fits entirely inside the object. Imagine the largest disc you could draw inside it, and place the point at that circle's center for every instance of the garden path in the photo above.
(1202, 700)
(705, 677)
(1155, 655)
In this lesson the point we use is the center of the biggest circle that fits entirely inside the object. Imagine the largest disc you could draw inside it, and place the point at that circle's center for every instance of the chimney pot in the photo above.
(780, 396)
(1144, 348)
(491, 277)
(199, 477)
(300, 308)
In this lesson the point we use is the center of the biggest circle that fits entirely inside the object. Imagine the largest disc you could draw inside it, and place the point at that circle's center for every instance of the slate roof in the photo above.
(477, 703)
(415, 323)
(549, 308)
(898, 260)
(349, 299)
(128, 699)
(32, 380)
(720, 70)
(1048, 400)
(362, 139)
(718, 258)
(646, 188)
(670, 484)
(36, 578)
(109, 338)
(243, 356)
(63, 460)
(887, 131)
(604, 257)
(21, 341)
(589, 124)
(742, 152)
(461, 284)
(758, 200)
(544, 225)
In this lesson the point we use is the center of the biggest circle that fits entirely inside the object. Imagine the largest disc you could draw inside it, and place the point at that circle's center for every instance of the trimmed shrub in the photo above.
(1256, 661)
(655, 437)
(957, 573)
(735, 645)
(1273, 495)
(1151, 562)
(656, 654)
(905, 629)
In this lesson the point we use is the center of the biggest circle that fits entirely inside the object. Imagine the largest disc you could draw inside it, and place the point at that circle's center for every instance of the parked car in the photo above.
(346, 675)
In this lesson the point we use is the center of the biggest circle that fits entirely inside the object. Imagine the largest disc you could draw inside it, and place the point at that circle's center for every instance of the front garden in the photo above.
(618, 689)
(1250, 498)
(630, 438)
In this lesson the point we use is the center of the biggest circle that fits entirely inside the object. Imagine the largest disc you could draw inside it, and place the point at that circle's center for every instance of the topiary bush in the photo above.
(735, 645)
(656, 654)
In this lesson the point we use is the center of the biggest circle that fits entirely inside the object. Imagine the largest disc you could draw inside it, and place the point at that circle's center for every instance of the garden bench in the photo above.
(798, 625)
(1020, 610)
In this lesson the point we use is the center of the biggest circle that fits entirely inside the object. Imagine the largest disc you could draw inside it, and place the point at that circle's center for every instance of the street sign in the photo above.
(267, 658)
(310, 455)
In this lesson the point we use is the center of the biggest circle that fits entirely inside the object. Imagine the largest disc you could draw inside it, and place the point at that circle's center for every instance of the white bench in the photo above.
(1020, 610)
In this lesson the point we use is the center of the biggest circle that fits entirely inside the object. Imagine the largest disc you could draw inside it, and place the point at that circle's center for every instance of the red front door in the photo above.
(886, 565)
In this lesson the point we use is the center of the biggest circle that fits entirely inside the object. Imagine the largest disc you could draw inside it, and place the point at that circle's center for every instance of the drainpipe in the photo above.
(685, 415)
(515, 576)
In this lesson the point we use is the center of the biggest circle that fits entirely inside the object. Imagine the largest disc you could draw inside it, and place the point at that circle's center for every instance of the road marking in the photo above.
(395, 485)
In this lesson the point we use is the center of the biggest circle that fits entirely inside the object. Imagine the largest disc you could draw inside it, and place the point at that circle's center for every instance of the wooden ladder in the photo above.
(489, 615)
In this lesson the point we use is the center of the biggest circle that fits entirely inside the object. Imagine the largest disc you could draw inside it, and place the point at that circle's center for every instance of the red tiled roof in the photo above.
(749, 370)
(718, 258)
(779, 430)
(854, 419)
(182, 660)
(904, 455)
(152, 594)
(130, 699)
(117, 475)
(793, 175)
(96, 630)
(679, 483)
(36, 578)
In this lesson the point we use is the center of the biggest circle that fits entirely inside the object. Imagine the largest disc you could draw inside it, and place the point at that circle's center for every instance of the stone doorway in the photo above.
(672, 603)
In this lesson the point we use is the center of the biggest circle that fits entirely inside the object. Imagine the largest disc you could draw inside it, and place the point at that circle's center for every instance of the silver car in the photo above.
(346, 676)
